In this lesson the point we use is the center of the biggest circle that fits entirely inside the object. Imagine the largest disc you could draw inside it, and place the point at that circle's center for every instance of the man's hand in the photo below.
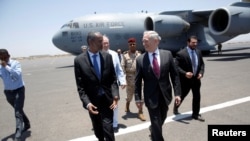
(199, 76)
(189, 75)
(123, 86)
(114, 104)
(3, 63)
(177, 100)
(138, 105)
(92, 109)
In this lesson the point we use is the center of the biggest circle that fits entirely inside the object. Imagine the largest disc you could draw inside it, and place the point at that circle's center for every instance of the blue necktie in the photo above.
(97, 70)
(156, 67)
(96, 66)
(193, 61)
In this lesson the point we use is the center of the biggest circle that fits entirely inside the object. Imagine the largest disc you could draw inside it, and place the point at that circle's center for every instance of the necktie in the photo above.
(97, 70)
(120, 57)
(156, 67)
(193, 61)
(96, 66)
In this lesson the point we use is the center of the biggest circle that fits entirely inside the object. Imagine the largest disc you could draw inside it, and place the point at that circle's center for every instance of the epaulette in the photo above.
(125, 52)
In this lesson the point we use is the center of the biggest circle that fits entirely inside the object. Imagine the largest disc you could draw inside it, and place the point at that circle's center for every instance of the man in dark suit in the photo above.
(155, 67)
(190, 65)
(97, 86)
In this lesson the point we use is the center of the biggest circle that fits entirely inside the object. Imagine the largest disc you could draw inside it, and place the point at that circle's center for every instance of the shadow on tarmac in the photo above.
(70, 66)
(23, 138)
(229, 56)
(130, 115)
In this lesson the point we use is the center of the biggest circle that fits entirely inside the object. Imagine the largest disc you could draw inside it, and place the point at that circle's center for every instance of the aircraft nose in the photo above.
(56, 39)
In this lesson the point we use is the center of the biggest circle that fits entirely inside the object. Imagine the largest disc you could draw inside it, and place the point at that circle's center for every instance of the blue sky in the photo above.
(27, 26)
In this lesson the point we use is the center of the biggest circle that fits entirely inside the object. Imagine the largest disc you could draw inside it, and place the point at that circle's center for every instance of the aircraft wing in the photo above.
(202, 13)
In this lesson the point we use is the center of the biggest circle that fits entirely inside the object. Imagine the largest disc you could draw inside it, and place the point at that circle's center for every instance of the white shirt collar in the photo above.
(156, 52)
(91, 54)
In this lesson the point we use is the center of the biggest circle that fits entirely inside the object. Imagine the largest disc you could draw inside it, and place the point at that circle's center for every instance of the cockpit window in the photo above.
(64, 34)
(71, 25)
(65, 25)
(75, 25)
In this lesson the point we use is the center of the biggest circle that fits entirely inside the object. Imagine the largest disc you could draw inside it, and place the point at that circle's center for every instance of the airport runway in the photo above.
(56, 113)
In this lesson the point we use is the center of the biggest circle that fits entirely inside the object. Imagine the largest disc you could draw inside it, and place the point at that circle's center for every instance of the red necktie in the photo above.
(156, 67)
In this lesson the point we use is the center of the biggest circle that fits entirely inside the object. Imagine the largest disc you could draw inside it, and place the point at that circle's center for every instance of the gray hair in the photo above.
(152, 34)
(84, 47)
(104, 35)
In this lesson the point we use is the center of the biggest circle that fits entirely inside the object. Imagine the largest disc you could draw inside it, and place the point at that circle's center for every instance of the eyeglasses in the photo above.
(132, 44)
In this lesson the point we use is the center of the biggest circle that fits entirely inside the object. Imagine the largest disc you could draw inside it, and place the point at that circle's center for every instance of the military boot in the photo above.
(127, 107)
(141, 116)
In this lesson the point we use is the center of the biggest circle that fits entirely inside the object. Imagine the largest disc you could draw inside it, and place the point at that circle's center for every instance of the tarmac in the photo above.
(56, 113)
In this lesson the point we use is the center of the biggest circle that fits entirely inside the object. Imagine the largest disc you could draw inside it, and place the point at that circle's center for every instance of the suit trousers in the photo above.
(103, 122)
(157, 118)
(16, 99)
(194, 85)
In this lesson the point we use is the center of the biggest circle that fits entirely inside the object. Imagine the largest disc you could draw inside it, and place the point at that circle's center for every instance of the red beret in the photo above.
(131, 40)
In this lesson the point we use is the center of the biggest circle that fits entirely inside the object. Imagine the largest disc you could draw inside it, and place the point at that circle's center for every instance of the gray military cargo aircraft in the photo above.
(210, 26)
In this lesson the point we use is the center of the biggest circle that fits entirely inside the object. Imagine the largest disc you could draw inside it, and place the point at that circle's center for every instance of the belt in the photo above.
(14, 90)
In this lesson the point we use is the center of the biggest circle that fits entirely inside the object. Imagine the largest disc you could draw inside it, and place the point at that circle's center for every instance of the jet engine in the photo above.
(230, 21)
(166, 25)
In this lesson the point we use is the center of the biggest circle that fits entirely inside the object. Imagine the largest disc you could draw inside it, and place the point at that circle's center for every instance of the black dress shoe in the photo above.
(26, 127)
(150, 130)
(199, 117)
(17, 139)
(116, 129)
(150, 137)
(18, 134)
(175, 111)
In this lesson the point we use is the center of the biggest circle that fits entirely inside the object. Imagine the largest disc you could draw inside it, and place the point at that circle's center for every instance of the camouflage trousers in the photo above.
(130, 93)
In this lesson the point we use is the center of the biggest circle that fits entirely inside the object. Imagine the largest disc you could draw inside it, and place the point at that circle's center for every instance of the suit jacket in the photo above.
(154, 86)
(88, 84)
(184, 63)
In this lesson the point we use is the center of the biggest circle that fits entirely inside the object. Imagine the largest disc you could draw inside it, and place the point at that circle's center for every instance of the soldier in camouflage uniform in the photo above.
(129, 66)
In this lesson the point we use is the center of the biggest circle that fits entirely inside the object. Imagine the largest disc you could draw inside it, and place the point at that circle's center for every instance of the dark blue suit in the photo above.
(184, 65)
